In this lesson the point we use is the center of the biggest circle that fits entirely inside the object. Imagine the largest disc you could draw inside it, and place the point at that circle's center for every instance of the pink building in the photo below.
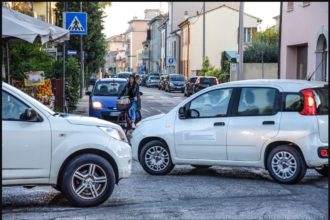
(304, 40)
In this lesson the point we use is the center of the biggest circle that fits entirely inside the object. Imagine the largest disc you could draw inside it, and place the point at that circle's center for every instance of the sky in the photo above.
(119, 13)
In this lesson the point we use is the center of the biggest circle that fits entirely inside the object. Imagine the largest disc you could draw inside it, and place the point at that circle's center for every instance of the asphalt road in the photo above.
(186, 193)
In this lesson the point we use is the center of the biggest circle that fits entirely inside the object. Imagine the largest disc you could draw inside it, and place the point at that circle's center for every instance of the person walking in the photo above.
(131, 90)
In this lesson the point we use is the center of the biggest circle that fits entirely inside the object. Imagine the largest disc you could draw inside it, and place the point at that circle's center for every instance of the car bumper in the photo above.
(123, 159)
(135, 141)
(181, 88)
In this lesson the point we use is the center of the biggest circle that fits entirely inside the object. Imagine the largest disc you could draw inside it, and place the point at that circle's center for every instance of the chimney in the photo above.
(185, 15)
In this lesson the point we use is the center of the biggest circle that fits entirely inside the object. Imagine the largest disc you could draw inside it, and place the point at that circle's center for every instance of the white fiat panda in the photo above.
(83, 157)
(279, 125)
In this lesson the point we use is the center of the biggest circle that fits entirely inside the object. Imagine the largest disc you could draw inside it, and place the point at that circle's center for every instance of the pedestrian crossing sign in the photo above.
(75, 22)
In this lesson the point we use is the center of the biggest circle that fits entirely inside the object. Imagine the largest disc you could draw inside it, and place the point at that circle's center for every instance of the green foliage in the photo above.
(213, 72)
(225, 69)
(95, 41)
(264, 48)
(26, 57)
(206, 67)
(72, 78)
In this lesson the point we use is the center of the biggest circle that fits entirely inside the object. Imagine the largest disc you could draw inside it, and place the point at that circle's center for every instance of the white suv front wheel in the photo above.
(286, 165)
(88, 180)
(155, 158)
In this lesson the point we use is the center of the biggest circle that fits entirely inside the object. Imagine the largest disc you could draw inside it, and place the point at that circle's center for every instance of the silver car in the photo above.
(152, 81)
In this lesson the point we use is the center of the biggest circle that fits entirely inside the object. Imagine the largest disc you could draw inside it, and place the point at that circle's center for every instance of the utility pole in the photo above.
(81, 62)
(64, 60)
(203, 31)
(240, 43)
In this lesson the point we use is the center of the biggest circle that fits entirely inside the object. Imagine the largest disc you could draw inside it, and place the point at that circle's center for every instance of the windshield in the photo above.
(154, 78)
(124, 75)
(210, 81)
(177, 78)
(108, 88)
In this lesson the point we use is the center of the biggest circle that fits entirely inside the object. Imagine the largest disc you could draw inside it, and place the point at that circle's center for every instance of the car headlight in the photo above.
(97, 105)
(115, 133)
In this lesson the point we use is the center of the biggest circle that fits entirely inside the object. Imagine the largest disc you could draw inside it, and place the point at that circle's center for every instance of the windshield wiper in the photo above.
(56, 113)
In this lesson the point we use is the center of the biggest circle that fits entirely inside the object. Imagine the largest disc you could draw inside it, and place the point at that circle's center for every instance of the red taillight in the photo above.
(309, 102)
(217, 81)
(189, 84)
(197, 81)
(324, 152)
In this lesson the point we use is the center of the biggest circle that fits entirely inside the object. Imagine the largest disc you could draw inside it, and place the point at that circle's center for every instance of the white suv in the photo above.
(81, 156)
(279, 125)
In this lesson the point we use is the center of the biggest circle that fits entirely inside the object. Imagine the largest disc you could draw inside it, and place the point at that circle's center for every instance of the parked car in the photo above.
(144, 79)
(279, 125)
(82, 157)
(203, 82)
(162, 80)
(153, 81)
(175, 82)
(138, 79)
(124, 75)
(189, 86)
(103, 100)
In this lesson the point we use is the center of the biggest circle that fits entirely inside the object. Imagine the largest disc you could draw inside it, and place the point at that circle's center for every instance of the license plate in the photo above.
(115, 113)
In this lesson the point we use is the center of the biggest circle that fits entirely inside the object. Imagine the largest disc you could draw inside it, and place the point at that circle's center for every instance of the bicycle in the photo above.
(124, 105)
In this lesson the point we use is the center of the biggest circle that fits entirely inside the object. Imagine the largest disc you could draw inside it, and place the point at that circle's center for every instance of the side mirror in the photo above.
(88, 93)
(29, 115)
(182, 112)
(141, 93)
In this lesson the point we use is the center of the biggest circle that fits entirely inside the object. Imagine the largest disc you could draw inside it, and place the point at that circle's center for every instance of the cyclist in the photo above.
(132, 90)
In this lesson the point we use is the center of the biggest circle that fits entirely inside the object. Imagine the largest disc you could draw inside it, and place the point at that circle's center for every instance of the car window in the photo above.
(12, 108)
(293, 102)
(321, 96)
(154, 78)
(108, 88)
(210, 81)
(211, 104)
(257, 101)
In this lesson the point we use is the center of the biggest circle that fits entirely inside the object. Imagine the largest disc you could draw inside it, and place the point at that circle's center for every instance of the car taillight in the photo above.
(309, 102)
(323, 152)
(217, 81)
(189, 83)
(197, 82)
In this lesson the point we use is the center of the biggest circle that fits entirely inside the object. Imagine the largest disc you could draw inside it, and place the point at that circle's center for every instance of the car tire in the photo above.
(279, 167)
(87, 167)
(324, 170)
(201, 166)
(147, 159)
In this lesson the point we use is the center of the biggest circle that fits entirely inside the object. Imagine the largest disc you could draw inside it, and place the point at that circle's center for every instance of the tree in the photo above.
(264, 48)
(23, 7)
(95, 41)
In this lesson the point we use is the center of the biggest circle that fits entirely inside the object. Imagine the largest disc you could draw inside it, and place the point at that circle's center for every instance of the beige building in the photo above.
(115, 45)
(221, 34)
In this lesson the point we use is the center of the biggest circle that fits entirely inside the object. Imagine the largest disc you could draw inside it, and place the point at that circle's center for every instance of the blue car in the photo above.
(103, 100)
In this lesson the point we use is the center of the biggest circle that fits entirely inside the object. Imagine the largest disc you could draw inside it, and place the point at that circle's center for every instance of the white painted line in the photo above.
(157, 110)
(143, 109)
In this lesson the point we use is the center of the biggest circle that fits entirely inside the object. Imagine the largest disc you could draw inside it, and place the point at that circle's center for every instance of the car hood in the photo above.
(88, 121)
(153, 117)
(107, 101)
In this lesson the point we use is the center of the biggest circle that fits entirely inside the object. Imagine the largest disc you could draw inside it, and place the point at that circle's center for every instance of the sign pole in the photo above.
(64, 60)
(81, 62)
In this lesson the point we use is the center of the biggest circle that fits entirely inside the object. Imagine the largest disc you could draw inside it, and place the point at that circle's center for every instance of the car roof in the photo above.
(288, 85)
(112, 80)
(125, 73)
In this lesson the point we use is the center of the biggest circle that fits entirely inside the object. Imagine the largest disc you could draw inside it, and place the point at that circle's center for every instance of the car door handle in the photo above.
(268, 122)
(219, 124)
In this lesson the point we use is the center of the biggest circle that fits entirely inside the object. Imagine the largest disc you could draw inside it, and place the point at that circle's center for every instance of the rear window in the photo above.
(193, 80)
(322, 100)
(108, 88)
(293, 102)
(210, 81)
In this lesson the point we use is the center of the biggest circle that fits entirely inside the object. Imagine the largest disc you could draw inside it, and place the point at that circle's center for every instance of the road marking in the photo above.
(143, 109)
(157, 110)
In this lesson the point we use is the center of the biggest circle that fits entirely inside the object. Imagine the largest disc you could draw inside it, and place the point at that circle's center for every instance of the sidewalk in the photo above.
(82, 106)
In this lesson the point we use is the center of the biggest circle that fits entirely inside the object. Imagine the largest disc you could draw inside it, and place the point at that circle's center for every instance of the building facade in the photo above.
(115, 45)
(224, 19)
(304, 40)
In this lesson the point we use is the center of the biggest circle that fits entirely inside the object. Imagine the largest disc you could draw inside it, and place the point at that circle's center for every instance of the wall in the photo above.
(254, 71)
(225, 21)
(302, 25)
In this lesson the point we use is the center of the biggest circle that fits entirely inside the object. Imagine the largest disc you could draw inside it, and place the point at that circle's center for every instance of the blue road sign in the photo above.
(72, 52)
(75, 22)
(170, 60)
